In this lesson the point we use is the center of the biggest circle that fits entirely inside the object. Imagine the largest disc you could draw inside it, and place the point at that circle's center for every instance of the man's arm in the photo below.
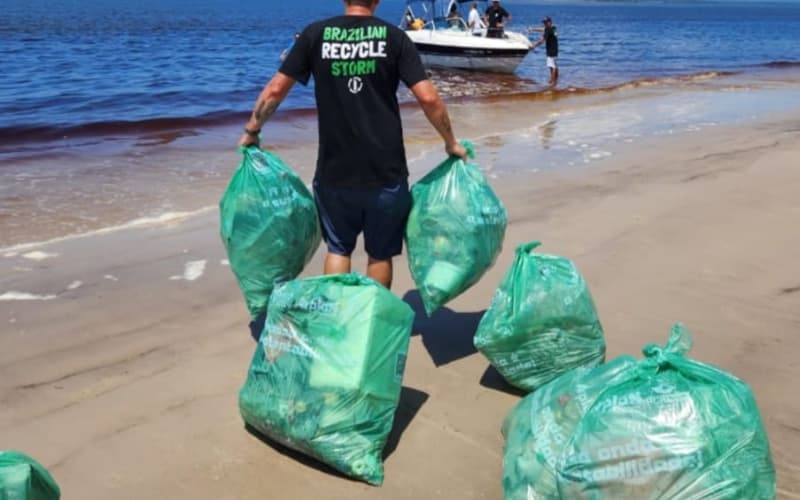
(436, 112)
(540, 40)
(268, 101)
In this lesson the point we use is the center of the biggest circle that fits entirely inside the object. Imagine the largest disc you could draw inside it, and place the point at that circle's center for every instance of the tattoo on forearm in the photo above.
(264, 109)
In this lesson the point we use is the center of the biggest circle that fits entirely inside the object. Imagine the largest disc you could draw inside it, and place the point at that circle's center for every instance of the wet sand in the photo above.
(123, 378)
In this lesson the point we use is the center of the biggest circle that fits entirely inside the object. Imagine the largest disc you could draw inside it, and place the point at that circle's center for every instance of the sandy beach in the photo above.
(122, 378)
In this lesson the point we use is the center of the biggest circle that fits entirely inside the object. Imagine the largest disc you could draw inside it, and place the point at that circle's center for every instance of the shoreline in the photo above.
(124, 385)
(456, 86)
(569, 134)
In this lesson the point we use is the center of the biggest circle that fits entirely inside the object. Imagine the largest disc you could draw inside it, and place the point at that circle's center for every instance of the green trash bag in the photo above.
(23, 478)
(664, 427)
(269, 225)
(542, 321)
(455, 230)
(327, 373)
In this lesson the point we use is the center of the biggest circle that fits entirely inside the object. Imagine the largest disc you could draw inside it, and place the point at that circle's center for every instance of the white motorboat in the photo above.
(447, 42)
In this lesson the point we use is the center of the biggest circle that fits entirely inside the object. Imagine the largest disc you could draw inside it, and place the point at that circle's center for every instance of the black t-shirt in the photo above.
(357, 63)
(551, 41)
(496, 16)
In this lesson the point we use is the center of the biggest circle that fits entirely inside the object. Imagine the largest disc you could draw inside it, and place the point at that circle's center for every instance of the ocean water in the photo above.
(98, 65)
(113, 111)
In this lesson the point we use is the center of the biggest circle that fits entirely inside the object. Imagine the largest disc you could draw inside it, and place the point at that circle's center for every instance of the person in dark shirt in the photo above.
(550, 39)
(361, 180)
(495, 19)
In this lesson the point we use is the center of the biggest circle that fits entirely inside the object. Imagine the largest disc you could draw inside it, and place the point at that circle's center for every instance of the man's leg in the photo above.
(553, 66)
(380, 271)
(384, 229)
(340, 221)
(336, 264)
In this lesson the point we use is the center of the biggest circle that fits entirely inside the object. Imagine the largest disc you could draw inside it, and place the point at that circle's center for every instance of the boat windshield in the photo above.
(439, 14)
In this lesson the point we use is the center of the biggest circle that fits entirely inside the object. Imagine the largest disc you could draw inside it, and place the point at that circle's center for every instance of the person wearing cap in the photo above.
(360, 183)
(550, 39)
(495, 18)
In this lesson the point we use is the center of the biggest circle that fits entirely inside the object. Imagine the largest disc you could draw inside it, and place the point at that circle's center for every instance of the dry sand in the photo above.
(125, 384)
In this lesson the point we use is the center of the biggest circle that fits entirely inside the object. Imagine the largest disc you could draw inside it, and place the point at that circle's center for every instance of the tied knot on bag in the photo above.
(656, 355)
(679, 343)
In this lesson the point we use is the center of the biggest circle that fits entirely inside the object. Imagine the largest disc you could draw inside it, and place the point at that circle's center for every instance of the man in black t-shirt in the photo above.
(494, 17)
(361, 180)
(550, 39)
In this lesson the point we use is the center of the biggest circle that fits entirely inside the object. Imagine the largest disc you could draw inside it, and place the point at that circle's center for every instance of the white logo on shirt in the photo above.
(355, 84)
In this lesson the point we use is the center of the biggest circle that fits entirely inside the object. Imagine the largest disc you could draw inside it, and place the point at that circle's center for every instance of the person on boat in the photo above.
(495, 18)
(474, 21)
(550, 39)
(408, 18)
(360, 184)
(454, 16)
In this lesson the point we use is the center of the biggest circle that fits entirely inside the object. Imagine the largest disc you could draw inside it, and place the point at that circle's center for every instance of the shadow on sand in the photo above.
(491, 379)
(447, 335)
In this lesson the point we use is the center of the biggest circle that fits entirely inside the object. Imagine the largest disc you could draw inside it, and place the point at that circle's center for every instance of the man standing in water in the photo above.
(550, 39)
(361, 179)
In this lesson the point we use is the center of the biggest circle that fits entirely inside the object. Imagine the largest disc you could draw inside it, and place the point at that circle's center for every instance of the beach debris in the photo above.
(192, 270)
(24, 296)
(327, 373)
(542, 321)
(269, 225)
(664, 426)
(455, 230)
(39, 255)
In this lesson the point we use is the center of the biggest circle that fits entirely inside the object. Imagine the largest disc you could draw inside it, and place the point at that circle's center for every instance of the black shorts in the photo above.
(380, 213)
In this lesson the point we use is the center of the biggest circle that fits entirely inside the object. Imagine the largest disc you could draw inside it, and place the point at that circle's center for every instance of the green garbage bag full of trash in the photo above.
(327, 372)
(664, 427)
(23, 478)
(269, 225)
(542, 321)
(455, 230)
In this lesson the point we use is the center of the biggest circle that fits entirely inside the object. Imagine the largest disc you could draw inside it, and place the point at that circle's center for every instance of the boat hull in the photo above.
(460, 50)
(489, 60)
